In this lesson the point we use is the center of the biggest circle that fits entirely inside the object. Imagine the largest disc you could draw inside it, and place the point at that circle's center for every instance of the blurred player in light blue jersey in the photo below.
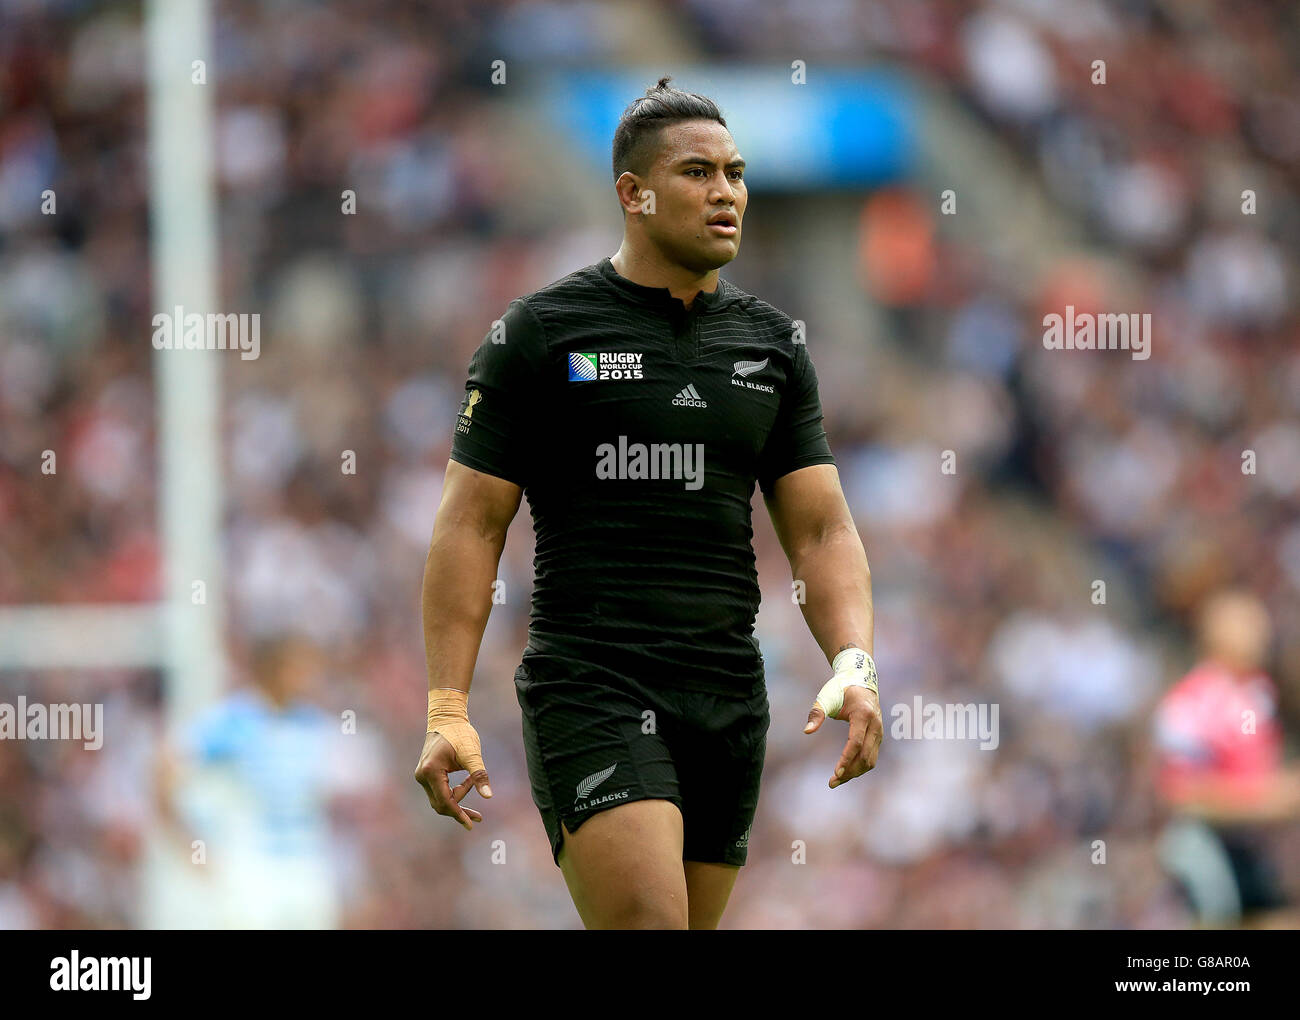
(264, 764)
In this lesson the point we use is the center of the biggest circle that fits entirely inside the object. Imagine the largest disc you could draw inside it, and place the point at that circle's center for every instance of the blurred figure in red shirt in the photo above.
(1221, 773)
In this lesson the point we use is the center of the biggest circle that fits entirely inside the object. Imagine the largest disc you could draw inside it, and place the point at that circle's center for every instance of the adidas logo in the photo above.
(743, 842)
(689, 398)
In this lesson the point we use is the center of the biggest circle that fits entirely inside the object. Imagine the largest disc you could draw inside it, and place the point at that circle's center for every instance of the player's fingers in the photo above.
(460, 789)
(434, 781)
(875, 735)
(442, 801)
(462, 815)
(858, 768)
(478, 779)
(472, 762)
(815, 719)
(467, 756)
(852, 750)
(426, 774)
(865, 760)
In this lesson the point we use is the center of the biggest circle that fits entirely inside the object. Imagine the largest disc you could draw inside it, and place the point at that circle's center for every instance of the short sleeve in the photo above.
(798, 439)
(497, 414)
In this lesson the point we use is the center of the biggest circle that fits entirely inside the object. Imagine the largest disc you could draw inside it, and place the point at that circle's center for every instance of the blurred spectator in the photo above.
(1220, 762)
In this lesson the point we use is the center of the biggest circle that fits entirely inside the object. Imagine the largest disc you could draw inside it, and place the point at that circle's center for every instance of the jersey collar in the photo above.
(660, 297)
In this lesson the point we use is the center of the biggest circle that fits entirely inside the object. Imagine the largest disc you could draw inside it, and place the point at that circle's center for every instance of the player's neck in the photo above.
(650, 271)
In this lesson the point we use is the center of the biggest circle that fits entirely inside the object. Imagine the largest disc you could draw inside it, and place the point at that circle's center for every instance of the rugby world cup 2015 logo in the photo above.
(582, 367)
(616, 366)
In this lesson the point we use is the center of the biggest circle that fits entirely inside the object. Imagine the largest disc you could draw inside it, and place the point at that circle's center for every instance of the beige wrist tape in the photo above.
(853, 668)
(447, 705)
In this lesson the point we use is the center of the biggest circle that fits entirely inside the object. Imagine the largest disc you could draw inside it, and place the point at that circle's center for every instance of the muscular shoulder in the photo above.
(756, 310)
(581, 291)
(767, 323)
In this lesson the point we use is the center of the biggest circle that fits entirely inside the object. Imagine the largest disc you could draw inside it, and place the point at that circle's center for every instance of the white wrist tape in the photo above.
(853, 668)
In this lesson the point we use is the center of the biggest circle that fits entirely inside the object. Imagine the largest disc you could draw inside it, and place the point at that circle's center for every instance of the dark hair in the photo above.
(639, 127)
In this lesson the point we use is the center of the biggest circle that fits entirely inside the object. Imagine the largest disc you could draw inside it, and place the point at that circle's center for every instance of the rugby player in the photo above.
(1221, 771)
(637, 402)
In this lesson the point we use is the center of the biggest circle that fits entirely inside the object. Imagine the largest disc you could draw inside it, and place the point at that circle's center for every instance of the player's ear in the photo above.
(630, 191)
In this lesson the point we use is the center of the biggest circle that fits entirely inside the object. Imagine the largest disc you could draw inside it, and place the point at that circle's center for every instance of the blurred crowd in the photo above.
(1071, 466)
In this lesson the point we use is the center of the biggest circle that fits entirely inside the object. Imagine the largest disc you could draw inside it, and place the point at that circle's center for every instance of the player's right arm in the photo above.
(492, 457)
(469, 534)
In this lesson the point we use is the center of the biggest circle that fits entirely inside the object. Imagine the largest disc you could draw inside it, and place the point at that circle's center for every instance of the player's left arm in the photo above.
(815, 527)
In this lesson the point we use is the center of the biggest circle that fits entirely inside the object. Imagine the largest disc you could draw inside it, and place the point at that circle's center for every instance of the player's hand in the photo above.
(861, 709)
(453, 747)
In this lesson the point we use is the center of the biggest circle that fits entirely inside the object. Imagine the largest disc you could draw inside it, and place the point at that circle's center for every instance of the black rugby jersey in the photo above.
(638, 429)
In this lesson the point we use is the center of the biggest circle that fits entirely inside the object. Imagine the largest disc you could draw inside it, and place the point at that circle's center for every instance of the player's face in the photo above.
(699, 186)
